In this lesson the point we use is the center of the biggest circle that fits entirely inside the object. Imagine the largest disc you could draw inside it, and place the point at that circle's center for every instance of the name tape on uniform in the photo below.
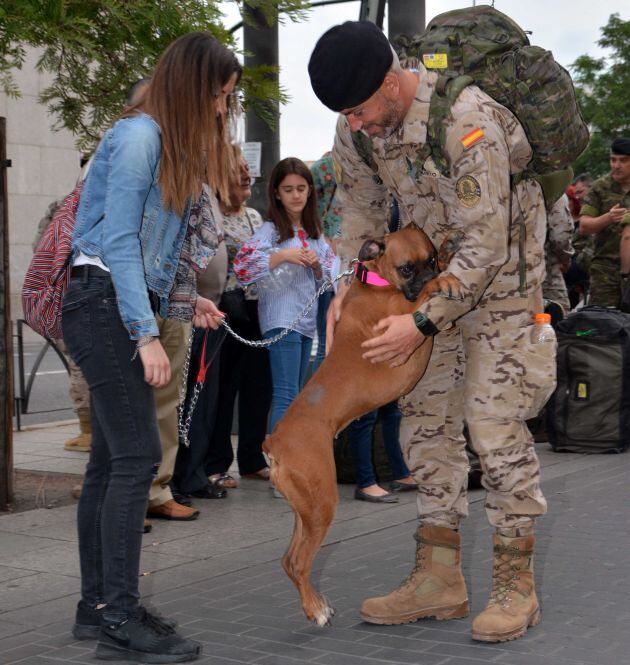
(435, 60)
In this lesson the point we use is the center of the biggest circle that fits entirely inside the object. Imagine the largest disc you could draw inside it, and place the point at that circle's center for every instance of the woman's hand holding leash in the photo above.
(207, 314)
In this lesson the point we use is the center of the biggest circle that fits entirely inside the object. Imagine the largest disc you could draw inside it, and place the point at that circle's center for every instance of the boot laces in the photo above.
(419, 565)
(506, 571)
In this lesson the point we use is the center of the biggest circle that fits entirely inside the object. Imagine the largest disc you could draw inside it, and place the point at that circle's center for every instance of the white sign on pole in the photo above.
(252, 152)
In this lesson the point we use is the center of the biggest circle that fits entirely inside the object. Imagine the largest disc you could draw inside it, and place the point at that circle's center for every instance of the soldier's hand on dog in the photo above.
(399, 338)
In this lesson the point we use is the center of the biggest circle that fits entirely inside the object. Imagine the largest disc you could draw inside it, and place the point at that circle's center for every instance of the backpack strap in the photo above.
(363, 146)
(447, 89)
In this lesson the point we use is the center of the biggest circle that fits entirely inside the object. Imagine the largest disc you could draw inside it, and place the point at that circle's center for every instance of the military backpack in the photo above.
(483, 47)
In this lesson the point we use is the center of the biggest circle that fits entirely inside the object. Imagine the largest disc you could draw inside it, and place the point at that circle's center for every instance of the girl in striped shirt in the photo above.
(288, 257)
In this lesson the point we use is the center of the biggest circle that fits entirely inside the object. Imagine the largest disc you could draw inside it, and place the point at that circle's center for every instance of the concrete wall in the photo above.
(45, 166)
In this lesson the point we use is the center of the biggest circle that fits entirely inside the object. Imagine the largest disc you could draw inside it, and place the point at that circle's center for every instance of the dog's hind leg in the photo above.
(314, 511)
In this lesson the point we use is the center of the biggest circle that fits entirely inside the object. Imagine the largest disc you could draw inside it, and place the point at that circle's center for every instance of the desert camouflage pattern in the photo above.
(605, 270)
(484, 368)
(558, 253)
(79, 391)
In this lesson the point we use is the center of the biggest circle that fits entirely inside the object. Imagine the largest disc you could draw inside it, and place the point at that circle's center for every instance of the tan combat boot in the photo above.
(434, 588)
(83, 442)
(513, 605)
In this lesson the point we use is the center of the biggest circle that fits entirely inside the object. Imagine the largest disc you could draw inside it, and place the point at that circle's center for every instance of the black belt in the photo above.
(86, 271)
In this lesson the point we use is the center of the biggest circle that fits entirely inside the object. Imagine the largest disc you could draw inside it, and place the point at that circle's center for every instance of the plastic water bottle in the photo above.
(542, 331)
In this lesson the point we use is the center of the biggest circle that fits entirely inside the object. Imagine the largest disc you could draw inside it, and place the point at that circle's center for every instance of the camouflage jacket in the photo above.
(604, 194)
(484, 144)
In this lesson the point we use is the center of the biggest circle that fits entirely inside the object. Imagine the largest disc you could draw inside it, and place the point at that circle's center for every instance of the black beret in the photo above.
(620, 146)
(349, 63)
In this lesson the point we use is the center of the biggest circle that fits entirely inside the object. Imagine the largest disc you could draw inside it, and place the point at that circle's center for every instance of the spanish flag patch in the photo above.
(472, 137)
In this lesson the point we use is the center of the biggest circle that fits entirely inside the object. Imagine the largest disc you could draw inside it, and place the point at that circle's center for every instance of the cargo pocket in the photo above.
(508, 377)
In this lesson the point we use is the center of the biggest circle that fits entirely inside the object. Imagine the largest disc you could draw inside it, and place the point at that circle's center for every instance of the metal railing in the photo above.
(25, 384)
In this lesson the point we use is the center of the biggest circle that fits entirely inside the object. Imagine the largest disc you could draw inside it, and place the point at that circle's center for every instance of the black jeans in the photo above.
(244, 370)
(126, 447)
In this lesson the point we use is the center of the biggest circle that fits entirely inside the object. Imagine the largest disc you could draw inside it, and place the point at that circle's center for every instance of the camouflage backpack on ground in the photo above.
(483, 47)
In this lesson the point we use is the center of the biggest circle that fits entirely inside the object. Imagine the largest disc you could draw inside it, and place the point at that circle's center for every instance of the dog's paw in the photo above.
(446, 285)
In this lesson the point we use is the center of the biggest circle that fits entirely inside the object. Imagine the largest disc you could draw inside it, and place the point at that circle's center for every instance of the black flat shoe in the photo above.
(210, 492)
(395, 486)
(182, 499)
(360, 495)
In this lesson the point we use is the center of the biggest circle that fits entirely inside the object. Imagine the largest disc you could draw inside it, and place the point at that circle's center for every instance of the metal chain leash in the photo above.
(184, 420)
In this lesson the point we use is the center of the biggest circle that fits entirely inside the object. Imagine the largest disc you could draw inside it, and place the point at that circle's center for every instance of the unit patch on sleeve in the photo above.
(468, 191)
(472, 137)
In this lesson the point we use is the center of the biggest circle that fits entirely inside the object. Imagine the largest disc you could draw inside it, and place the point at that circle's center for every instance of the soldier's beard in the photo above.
(392, 118)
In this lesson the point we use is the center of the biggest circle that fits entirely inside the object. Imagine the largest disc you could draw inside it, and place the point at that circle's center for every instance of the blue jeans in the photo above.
(126, 449)
(322, 309)
(360, 438)
(289, 360)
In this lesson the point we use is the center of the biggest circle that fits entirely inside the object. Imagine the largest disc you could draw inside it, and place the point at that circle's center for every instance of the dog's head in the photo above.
(406, 259)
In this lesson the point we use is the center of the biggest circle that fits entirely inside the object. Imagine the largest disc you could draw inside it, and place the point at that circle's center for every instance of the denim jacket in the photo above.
(121, 220)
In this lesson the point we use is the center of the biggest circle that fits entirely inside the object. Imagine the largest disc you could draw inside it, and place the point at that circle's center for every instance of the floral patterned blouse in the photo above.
(238, 228)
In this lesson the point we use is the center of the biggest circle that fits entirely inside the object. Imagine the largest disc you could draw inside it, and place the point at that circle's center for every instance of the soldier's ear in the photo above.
(370, 250)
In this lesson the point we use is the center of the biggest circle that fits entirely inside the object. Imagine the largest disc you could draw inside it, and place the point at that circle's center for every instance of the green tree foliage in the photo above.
(94, 50)
(603, 88)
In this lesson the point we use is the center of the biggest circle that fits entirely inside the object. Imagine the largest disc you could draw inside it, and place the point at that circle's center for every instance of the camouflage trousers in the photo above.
(606, 284)
(487, 372)
(554, 288)
(79, 390)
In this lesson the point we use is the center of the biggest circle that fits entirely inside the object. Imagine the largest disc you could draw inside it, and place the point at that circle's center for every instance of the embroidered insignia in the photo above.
(468, 191)
(472, 137)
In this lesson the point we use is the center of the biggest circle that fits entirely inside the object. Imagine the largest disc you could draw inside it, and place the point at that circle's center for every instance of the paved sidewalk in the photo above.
(220, 576)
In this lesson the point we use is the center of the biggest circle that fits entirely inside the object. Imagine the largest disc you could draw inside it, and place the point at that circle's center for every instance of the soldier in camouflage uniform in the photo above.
(604, 213)
(558, 253)
(484, 367)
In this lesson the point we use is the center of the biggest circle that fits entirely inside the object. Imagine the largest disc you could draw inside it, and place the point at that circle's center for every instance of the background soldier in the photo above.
(603, 215)
(484, 367)
(558, 253)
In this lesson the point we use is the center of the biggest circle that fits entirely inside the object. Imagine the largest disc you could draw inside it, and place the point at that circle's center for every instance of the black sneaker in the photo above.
(87, 623)
(145, 639)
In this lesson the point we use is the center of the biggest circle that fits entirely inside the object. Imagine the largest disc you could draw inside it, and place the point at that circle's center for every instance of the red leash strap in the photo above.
(203, 365)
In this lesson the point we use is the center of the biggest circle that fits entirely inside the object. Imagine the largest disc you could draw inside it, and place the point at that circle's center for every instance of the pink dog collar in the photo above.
(366, 276)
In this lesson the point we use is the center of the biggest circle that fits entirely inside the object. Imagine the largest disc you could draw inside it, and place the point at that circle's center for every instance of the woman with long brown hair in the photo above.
(291, 243)
(132, 233)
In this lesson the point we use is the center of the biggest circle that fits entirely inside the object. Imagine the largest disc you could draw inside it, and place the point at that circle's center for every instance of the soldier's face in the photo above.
(381, 114)
(620, 168)
(580, 190)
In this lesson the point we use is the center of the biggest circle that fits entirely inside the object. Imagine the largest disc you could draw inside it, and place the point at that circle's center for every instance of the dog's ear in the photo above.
(449, 246)
(370, 250)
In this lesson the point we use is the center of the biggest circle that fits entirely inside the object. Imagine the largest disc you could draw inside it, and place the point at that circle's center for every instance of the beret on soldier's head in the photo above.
(349, 63)
(620, 146)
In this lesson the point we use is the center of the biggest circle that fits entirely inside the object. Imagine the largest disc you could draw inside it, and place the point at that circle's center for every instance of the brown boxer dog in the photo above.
(346, 387)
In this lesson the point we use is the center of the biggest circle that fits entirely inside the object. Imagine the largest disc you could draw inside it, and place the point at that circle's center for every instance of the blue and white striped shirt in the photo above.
(284, 291)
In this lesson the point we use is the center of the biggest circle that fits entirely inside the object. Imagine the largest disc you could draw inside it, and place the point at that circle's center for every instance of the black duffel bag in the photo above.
(589, 411)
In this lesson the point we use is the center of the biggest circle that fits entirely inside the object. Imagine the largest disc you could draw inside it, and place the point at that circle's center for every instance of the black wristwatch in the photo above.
(424, 324)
